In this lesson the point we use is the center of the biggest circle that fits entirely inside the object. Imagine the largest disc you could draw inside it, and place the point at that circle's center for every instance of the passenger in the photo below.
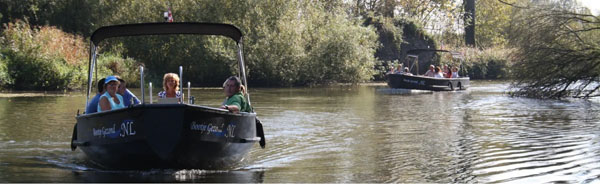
(391, 70)
(430, 72)
(447, 72)
(243, 90)
(455, 72)
(92, 107)
(171, 87)
(407, 71)
(444, 68)
(235, 101)
(128, 96)
(438, 73)
(110, 100)
(399, 69)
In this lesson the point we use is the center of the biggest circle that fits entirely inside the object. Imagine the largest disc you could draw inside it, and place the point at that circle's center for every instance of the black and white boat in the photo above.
(166, 135)
(420, 82)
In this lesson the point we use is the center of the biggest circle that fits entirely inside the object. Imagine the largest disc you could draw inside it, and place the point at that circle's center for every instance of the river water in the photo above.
(344, 134)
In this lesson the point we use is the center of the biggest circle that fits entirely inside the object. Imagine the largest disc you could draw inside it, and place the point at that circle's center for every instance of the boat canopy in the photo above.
(165, 28)
(455, 54)
(162, 28)
(418, 51)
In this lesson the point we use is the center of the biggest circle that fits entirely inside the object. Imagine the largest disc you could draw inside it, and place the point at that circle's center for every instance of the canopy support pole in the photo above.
(243, 71)
(91, 67)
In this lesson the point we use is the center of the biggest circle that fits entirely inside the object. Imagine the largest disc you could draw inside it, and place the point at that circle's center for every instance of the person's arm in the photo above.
(104, 104)
(233, 106)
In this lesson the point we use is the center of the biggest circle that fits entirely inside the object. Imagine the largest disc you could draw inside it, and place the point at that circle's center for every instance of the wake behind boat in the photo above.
(166, 135)
(409, 81)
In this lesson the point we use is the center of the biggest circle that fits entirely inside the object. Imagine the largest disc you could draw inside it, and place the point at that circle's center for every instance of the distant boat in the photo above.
(166, 135)
(410, 81)
(427, 83)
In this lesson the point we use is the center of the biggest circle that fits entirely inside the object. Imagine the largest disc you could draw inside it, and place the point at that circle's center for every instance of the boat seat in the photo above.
(168, 100)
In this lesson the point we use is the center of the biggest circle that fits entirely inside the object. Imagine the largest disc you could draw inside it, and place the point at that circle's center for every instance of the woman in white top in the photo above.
(110, 100)
(455, 72)
(438, 73)
(170, 86)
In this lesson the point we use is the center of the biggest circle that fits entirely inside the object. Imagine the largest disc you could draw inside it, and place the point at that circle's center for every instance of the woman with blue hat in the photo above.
(110, 100)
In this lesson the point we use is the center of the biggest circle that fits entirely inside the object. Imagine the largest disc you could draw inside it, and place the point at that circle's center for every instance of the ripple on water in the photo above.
(530, 141)
(348, 135)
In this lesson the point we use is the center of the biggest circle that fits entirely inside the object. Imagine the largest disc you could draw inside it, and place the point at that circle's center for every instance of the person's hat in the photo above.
(109, 79)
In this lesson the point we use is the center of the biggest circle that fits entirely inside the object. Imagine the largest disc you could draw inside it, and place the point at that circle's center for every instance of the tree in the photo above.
(469, 22)
(559, 52)
(493, 22)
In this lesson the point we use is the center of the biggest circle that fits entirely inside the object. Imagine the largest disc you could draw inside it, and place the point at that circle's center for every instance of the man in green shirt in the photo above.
(235, 102)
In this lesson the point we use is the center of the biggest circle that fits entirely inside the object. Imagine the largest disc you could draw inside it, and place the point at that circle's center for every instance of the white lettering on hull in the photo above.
(214, 129)
(126, 129)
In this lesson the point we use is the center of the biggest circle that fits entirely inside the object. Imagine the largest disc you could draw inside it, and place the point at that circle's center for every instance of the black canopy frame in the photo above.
(165, 28)
(161, 28)
(455, 54)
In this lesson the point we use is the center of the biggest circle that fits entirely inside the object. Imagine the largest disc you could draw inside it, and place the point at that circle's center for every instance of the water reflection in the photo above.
(344, 134)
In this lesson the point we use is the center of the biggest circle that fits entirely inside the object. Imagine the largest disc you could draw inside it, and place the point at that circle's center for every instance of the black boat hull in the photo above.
(427, 83)
(166, 136)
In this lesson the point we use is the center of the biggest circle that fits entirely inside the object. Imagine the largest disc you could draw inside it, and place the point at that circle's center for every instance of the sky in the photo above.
(593, 5)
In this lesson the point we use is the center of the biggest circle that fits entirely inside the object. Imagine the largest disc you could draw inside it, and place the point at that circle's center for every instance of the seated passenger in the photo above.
(92, 107)
(455, 72)
(391, 70)
(110, 100)
(407, 71)
(447, 72)
(235, 101)
(438, 73)
(127, 95)
(399, 69)
(171, 87)
(430, 72)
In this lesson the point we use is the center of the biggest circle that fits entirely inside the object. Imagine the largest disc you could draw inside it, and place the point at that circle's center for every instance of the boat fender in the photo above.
(74, 138)
(260, 133)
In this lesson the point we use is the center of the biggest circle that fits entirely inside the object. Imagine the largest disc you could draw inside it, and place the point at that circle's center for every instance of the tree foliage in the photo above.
(559, 53)
(46, 58)
(286, 42)
(41, 58)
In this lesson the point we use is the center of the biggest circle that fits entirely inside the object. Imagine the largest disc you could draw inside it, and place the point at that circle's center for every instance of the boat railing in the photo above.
(142, 85)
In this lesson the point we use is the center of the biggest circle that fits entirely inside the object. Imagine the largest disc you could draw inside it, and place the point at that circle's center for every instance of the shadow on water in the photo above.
(61, 165)
(203, 176)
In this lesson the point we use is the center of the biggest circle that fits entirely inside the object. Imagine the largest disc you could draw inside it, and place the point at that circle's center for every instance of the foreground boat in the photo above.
(166, 135)
(410, 81)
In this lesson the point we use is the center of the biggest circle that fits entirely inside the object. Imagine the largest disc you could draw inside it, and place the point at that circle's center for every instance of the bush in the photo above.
(46, 58)
(5, 79)
(281, 48)
(283, 41)
(111, 63)
(42, 58)
(493, 63)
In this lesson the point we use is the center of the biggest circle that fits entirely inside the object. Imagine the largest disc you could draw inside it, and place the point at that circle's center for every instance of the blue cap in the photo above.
(110, 78)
